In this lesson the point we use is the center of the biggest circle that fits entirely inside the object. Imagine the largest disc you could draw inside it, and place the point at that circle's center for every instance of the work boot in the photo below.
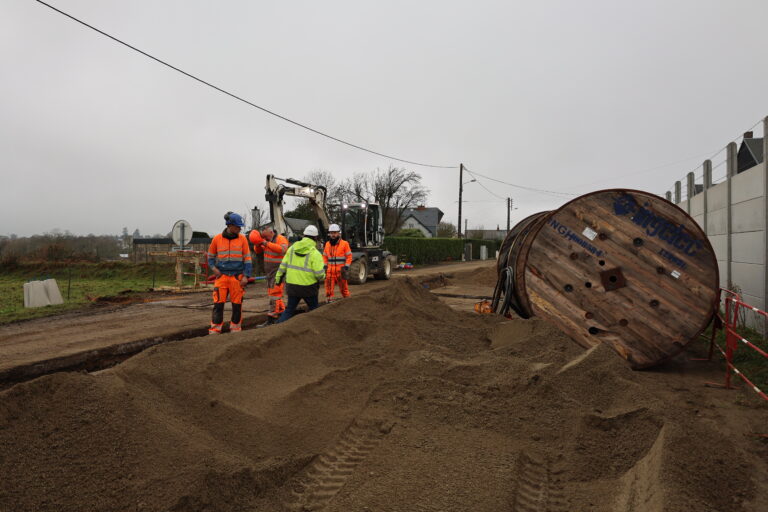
(233, 327)
(215, 329)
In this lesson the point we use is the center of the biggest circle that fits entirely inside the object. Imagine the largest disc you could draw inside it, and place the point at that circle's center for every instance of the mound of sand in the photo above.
(391, 401)
(485, 276)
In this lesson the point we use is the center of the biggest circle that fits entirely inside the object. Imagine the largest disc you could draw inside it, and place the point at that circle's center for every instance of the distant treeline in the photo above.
(62, 246)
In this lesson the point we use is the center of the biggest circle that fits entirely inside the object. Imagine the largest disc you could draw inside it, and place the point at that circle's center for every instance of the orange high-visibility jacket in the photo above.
(274, 250)
(339, 254)
(231, 256)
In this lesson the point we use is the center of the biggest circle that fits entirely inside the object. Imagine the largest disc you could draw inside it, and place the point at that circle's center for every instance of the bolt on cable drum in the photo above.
(619, 266)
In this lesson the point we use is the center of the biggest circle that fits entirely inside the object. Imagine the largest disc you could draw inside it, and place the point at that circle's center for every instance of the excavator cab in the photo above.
(362, 225)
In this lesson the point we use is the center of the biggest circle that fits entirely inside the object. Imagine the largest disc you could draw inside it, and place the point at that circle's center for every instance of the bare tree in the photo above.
(446, 230)
(326, 179)
(395, 189)
(355, 188)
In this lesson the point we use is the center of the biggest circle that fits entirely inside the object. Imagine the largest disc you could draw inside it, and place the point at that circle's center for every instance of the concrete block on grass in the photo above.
(52, 290)
(35, 295)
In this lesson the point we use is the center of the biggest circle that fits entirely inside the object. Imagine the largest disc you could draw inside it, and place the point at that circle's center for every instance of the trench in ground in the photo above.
(107, 357)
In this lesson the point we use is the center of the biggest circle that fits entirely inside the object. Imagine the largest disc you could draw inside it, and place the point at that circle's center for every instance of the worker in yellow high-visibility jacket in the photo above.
(303, 270)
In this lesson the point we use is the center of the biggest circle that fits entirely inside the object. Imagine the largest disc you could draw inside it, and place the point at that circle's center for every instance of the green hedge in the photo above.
(434, 250)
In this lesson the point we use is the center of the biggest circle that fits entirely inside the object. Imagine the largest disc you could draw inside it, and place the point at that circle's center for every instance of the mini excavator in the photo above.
(362, 225)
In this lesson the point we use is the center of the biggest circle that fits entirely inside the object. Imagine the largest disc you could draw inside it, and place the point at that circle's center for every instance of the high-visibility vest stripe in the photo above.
(274, 255)
(304, 268)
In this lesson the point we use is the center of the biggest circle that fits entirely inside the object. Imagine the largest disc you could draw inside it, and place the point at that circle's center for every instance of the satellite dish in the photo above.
(181, 233)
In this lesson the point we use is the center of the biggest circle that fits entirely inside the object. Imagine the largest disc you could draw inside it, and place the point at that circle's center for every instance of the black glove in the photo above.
(345, 267)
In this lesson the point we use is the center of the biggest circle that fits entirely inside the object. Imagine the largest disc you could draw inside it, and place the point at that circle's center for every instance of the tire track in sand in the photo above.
(328, 473)
(537, 486)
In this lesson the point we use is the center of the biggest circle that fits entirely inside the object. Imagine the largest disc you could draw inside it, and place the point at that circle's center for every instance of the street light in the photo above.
(470, 181)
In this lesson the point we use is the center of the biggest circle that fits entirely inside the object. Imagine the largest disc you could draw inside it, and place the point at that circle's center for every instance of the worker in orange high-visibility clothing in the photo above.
(273, 245)
(337, 255)
(229, 258)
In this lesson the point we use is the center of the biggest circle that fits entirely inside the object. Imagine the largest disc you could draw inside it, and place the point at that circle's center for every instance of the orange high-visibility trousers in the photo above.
(276, 304)
(226, 286)
(332, 278)
(275, 292)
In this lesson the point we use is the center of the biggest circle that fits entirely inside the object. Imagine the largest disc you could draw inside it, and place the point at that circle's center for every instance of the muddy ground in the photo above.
(390, 401)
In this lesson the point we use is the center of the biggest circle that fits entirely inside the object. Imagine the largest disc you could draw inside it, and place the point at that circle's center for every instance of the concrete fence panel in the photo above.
(748, 216)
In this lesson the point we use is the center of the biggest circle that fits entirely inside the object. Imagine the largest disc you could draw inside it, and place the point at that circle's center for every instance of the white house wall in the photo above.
(412, 223)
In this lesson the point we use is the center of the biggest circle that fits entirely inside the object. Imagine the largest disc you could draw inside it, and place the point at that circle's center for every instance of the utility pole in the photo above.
(461, 191)
(509, 210)
(465, 228)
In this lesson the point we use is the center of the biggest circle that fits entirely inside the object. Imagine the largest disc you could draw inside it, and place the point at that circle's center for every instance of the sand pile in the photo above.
(390, 401)
(485, 276)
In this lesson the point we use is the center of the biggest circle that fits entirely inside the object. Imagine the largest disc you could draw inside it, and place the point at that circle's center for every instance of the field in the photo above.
(80, 285)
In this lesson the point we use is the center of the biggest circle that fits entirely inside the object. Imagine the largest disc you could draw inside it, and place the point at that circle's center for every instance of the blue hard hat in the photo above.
(234, 219)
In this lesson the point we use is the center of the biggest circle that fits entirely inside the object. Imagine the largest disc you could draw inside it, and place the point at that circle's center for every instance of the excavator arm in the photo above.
(295, 188)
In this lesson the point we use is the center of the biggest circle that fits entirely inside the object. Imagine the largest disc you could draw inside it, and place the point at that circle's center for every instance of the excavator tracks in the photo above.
(537, 486)
(327, 474)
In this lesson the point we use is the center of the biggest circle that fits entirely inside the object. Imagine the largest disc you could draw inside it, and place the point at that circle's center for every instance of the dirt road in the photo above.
(389, 401)
(91, 339)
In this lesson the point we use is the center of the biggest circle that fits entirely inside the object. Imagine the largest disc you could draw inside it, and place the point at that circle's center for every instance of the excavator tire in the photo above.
(386, 270)
(358, 271)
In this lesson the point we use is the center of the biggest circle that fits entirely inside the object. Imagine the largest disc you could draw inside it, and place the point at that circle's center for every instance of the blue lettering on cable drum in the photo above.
(657, 226)
(566, 233)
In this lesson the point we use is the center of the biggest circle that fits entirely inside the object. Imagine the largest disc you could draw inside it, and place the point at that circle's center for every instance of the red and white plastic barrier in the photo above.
(729, 322)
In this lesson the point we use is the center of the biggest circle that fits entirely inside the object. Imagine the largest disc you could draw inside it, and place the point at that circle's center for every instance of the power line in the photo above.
(726, 147)
(232, 95)
(530, 189)
(643, 171)
(484, 187)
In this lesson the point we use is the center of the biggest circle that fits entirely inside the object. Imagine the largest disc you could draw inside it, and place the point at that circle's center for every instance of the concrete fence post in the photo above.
(678, 192)
(730, 170)
(690, 190)
(707, 185)
(668, 195)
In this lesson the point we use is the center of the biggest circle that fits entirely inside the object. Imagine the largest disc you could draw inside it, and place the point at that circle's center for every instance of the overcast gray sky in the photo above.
(562, 95)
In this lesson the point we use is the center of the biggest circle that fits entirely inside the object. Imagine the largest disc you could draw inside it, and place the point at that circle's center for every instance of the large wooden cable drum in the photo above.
(622, 267)
(517, 242)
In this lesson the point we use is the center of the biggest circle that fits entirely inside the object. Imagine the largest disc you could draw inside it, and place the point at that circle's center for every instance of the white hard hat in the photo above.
(310, 230)
(334, 227)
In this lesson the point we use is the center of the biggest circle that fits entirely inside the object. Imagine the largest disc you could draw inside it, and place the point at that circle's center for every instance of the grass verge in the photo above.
(753, 365)
(79, 283)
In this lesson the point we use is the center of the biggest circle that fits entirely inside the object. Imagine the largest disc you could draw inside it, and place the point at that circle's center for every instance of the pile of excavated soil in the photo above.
(389, 401)
(485, 276)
